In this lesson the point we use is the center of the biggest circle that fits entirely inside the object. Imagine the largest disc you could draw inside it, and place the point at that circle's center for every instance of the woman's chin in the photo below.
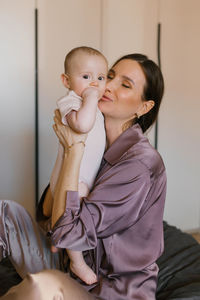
(103, 105)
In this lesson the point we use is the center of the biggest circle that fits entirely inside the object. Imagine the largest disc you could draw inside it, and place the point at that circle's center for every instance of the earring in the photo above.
(137, 115)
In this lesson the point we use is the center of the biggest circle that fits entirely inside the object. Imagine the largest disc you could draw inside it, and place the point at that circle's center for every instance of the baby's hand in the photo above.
(91, 92)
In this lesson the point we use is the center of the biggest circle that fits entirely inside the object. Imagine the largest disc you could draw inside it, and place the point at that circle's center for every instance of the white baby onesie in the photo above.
(94, 145)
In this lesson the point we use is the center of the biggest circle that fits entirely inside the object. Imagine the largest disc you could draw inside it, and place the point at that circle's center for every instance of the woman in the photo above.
(119, 225)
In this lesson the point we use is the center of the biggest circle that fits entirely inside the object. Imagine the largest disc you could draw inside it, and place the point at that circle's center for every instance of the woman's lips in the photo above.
(106, 98)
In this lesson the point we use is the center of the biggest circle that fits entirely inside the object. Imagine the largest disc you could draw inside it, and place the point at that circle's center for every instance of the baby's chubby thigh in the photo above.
(83, 189)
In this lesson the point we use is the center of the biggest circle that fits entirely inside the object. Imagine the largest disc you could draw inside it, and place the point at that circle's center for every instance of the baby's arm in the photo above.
(83, 120)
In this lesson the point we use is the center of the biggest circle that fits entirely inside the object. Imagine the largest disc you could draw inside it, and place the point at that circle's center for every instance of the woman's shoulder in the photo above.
(147, 155)
(134, 151)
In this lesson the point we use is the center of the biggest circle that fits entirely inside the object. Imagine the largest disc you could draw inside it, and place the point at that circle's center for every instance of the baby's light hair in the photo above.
(83, 49)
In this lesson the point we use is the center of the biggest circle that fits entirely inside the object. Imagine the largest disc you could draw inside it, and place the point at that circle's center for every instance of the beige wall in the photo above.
(179, 139)
(17, 102)
(129, 26)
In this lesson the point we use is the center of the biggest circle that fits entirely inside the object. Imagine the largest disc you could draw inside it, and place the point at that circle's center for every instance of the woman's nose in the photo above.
(109, 86)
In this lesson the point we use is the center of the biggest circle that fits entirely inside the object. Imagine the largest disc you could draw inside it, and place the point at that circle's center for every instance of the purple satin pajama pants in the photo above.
(22, 240)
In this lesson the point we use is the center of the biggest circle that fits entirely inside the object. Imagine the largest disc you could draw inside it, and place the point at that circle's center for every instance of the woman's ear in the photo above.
(65, 80)
(146, 107)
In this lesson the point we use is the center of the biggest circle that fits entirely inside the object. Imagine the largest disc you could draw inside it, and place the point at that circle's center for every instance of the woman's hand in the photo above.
(65, 134)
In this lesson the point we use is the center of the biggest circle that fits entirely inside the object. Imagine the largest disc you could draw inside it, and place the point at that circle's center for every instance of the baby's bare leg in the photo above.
(80, 268)
(83, 192)
(77, 263)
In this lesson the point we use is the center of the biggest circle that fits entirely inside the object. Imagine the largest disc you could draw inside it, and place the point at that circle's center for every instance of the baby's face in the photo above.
(87, 70)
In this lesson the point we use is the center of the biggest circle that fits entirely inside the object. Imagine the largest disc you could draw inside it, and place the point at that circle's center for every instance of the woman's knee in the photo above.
(11, 215)
(10, 206)
(4, 245)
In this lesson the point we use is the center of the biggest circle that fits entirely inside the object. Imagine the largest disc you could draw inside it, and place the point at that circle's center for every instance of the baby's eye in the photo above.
(101, 78)
(86, 76)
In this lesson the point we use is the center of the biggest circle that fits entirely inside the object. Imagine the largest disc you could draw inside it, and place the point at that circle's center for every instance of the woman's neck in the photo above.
(113, 130)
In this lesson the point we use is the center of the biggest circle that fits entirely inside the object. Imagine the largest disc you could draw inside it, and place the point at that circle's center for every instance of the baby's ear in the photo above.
(65, 80)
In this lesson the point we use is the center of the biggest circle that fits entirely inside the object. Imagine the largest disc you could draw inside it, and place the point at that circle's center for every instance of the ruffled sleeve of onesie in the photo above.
(68, 103)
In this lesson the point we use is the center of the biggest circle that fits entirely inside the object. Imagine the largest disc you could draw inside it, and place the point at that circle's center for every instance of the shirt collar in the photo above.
(123, 143)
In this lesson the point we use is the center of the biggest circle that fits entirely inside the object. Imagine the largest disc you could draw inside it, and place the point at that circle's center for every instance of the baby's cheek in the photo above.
(102, 90)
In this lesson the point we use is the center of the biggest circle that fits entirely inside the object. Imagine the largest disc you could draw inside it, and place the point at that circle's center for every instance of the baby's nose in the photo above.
(94, 83)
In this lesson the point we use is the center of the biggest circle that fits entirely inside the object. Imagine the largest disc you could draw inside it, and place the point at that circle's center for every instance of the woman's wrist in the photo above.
(76, 147)
(75, 144)
(69, 174)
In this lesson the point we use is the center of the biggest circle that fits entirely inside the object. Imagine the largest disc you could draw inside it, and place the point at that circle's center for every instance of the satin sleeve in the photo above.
(113, 205)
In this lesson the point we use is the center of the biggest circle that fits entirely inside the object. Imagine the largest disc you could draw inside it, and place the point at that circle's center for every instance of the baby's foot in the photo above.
(84, 272)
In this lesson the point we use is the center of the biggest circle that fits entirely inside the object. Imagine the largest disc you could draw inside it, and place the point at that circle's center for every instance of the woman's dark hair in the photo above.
(153, 89)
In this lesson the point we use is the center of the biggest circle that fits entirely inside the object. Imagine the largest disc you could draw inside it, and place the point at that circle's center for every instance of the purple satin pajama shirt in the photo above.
(119, 225)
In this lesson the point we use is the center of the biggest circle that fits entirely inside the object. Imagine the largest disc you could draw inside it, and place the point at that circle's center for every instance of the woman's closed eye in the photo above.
(126, 85)
(110, 76)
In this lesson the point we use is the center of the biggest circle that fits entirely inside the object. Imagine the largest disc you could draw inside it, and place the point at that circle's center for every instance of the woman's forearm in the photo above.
(56, 169)
(68, 179)
(48, 203)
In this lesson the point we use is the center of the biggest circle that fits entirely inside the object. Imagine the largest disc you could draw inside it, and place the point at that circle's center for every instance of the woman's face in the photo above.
(122, 99)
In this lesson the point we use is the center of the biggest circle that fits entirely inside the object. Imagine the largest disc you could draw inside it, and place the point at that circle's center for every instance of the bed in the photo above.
(179, 275)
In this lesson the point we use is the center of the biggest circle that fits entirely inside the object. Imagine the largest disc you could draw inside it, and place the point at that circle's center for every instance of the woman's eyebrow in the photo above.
(128, 78)
(123, 76)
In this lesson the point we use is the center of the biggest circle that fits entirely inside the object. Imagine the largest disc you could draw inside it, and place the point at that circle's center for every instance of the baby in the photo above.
(85, 79)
